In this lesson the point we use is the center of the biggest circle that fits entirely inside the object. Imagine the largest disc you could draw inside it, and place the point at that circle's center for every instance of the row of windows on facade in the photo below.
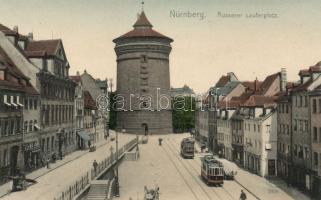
(316, 135)
(13, 100)
(56, 114)
(10, 126)
(284, 129)
(256, 128)
(283, 108)
(282, 149)
(54, 92)
(31, 104)
(17, 101)
(301, 152)
(301, 125)
(224, 137)
(31, 126)
(300, 101)
(256, 144)
(49, 144)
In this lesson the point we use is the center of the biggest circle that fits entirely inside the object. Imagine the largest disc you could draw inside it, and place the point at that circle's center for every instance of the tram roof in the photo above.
(211, 161)
(188, 140)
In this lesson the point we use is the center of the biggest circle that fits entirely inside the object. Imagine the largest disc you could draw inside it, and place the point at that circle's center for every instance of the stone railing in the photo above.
(83, 183)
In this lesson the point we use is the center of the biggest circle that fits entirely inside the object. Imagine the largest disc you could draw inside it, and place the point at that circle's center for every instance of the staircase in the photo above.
(98, 190)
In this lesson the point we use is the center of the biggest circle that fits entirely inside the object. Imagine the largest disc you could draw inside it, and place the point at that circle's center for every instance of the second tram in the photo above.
(187, 148)
(212, 170)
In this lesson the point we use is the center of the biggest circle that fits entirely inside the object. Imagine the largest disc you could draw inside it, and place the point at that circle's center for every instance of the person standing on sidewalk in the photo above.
(48, 162)
(95, 165)
(243, 195)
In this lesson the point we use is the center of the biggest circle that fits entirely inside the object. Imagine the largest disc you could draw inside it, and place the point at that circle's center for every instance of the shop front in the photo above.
(31, 153)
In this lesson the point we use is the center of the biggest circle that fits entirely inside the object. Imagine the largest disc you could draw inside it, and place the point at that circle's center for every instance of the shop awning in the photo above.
(85, 136)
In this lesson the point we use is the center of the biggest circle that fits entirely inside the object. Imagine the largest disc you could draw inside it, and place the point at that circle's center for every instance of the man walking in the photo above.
(95, 165)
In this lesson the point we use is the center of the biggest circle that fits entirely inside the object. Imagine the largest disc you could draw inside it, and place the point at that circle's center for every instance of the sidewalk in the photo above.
(6, 188)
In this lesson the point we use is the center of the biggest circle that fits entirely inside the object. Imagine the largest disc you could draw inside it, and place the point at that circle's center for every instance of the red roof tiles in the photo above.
(142, 21)
(41, 47)
(222, 81)
(14, 83)
(89, 102)
(142, 28)
(267, 83)
(260, 101)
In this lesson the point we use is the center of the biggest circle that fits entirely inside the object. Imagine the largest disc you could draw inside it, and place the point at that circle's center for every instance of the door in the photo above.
(271, 167)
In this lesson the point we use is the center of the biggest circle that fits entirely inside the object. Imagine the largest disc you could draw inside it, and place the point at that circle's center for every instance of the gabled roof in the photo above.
(41, 47)
(252, 85)
(142, 29)
(264, 87)
(222, 81)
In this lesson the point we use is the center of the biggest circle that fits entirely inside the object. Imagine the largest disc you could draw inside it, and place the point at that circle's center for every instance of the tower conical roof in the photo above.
(142, 21)
(142, 28)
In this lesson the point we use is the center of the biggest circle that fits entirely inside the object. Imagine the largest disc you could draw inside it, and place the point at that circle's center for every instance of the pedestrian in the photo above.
(95, 165)
(89, 144)
(54, 157)
(243, 195)
(48, 162)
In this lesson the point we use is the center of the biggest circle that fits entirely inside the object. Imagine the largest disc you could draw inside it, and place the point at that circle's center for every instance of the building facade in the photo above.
(143, 80)
(315, 116)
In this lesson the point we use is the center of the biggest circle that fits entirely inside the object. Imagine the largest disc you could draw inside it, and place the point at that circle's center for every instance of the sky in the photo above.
(233, 36)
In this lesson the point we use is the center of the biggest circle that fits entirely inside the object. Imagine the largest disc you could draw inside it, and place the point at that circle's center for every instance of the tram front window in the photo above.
(216, 171)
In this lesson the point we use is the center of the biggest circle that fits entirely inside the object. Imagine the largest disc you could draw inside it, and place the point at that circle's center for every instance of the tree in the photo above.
(183, 113)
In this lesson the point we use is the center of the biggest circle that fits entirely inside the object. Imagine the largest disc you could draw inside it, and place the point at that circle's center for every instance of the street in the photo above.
(180, 179)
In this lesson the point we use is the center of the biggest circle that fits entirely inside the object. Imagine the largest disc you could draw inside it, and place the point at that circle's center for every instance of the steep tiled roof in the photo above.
(222, 81)
(142, 21)
(89, 102)
(303, 86)
(267, 83)
(42, 46)
(7, 64)
(142, 28)
(251, 84)
(260, 101)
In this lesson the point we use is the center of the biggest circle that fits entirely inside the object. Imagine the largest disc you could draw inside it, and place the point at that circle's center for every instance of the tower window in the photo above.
(144, 59)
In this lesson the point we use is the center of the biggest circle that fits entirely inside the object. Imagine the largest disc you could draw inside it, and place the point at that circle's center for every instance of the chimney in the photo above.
(256, 85)
(78, 74)
(30, 36)
(283, 79)
(15, 29)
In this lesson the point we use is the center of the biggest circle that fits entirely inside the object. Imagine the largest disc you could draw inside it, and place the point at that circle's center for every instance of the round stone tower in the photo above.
(143, 83)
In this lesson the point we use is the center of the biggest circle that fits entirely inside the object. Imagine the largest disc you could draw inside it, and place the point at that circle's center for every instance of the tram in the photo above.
(187, 148)
(212, 170)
